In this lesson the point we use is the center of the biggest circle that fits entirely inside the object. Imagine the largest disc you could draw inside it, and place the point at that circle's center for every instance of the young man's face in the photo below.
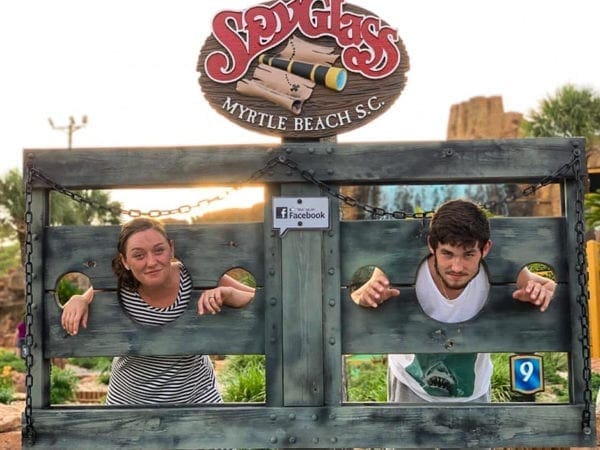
(457, 265)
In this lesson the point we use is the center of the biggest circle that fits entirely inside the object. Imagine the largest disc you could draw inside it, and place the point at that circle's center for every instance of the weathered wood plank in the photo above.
(398, 247)
(332, 325)
(502, 160)
(431, 425)
(273, 307)
(208, 251)
(504, 325)
(302, 281)
(111, 332)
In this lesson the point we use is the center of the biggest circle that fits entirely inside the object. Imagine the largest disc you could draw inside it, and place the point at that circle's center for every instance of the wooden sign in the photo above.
(302, 68)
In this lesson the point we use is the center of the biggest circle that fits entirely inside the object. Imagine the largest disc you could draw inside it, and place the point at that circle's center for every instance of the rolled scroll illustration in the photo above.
(331, 77)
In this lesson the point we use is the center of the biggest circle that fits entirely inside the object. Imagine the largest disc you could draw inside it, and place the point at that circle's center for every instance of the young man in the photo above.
(450, 287)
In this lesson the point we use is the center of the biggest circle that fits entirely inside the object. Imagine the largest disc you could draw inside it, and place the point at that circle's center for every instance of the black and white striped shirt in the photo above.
(137, 380)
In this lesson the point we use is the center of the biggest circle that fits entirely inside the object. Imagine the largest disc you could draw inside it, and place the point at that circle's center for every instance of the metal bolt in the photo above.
(333, 440)
(273, 417)
(311, 150)
(329, 150)
(273, 439)
(332, 341)
(271, 271)
(331, 302)
(273, 301)
(330, 172)
(332, 416)
(314, 417)
(315, 440)
(292, 416)
(288, 150)
(292, 440)
(331, 271)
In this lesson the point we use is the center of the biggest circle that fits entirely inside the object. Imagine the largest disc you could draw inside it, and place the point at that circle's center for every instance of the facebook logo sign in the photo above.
(281, 212)
(300, 213)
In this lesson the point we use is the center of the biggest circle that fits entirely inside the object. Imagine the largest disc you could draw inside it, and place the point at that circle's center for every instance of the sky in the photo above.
(130, 67)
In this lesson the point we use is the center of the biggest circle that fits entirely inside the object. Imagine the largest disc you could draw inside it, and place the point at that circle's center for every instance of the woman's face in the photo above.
(148, 255)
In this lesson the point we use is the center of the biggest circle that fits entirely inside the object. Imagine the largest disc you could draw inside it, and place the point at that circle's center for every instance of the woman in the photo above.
(155, 289)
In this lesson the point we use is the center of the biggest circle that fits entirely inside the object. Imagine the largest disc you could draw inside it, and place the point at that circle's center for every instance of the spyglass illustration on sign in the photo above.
(300, 69)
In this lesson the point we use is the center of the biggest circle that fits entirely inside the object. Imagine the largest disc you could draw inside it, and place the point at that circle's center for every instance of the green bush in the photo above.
(7, 388)
(8, 358)
(101, 364)
(367, 379)
(243, 378)
(555, 382)
(63, 383)
(66, 289)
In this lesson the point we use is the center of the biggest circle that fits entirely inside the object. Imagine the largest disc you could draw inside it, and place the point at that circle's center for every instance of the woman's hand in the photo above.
(212, 300)
(75, 311)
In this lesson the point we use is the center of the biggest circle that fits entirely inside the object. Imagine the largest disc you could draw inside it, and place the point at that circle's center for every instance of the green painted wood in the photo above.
(501, 160)
(398, 247)
(111, 332)
(332, 326)
(503, 325)
(40, 390)
(294, 331)
(472, 425)
(302, 282)
(274, 306)
(208, 251)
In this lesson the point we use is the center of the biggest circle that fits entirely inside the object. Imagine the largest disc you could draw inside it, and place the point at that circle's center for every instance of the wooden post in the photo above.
(593, 255)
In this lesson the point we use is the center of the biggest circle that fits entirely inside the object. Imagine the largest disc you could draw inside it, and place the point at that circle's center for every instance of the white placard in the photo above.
(300, 213)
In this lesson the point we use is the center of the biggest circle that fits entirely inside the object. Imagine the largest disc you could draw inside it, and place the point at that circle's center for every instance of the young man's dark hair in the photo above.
(459, 223)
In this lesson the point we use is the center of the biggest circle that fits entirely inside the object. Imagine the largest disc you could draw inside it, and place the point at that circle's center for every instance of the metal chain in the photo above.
(583, 297)
(308, 175)
(28, 430)
(374, 211)
(378, 212)
(183, 209)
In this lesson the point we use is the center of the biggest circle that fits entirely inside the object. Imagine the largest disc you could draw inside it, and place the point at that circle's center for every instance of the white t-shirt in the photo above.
(448, 376)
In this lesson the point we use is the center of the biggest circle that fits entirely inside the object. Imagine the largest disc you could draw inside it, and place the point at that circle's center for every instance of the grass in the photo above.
(243, 378)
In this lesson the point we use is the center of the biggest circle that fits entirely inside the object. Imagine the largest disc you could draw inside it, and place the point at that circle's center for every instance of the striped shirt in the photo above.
(138, 380)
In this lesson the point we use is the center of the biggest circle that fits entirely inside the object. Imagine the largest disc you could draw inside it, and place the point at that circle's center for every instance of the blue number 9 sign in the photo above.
(526, 374)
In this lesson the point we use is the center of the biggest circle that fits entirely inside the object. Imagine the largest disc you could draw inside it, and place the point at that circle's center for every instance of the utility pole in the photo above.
(71, 128)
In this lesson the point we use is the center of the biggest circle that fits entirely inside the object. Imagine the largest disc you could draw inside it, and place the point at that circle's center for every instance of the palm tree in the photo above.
(571, 112)
(63, 211)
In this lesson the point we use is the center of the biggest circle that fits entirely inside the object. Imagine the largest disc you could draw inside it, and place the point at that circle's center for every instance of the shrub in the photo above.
(555, 365)
(367, 380)
(63, 383)
(243, 378)
(8, 358)
(7, 388)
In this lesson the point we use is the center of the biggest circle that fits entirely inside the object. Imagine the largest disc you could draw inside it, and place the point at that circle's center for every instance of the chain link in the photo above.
(155, 213)
(28, 430)
(582, 298)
